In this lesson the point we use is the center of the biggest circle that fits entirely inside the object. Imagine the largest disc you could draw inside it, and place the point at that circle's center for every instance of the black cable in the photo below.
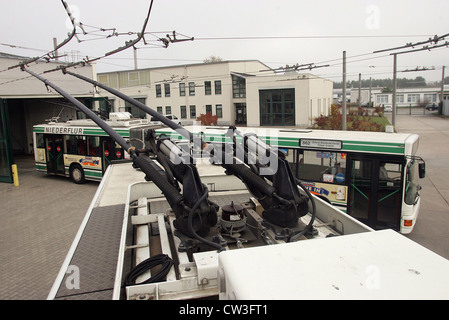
(148, 264)
(192, 230)
(307, 228)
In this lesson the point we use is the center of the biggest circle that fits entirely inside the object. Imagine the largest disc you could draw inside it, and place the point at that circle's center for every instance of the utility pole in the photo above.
(55, 46)
(360, 91)
(370, 84)
(442, 91)
(343, 123)
(135, 58)
(393, 114)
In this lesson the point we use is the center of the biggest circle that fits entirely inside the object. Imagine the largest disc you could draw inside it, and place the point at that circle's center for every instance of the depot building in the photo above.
(244, 92)
(25, 101)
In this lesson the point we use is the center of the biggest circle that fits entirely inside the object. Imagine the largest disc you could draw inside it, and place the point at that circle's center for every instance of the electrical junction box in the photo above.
(370, 265)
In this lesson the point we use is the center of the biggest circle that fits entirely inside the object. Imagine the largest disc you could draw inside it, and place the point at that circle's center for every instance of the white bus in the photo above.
(372, 176)
(81, 150)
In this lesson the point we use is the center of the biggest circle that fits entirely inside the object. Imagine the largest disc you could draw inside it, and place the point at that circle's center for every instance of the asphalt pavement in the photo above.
(432, 227)
(39, 220)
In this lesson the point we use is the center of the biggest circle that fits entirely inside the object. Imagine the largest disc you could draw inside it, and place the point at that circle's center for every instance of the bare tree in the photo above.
(212, 59)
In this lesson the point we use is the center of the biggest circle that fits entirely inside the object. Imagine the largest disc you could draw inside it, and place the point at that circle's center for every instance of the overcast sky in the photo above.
(280, 32)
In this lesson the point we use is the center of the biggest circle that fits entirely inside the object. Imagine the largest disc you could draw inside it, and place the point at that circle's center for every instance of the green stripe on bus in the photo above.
(93, 173)
(375, 143)
(287, 142)
(97, 132)
(41, 167)
(396, 150)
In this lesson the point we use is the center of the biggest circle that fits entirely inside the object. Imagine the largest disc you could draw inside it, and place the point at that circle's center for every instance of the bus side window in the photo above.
(93, 146)
(40, 140)
(70, 144)
(75, 145)
(322, 166)
(82, 147)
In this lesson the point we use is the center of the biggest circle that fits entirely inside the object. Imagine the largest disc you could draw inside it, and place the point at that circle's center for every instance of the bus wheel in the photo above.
(77, 174)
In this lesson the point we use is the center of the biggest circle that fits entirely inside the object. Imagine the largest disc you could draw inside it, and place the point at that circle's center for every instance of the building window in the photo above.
(133, 77)
(136, 112)
(182, 89)
(159, 109)
(193, 112)
(104, 78)
(382, 98)
(167, 109)
(238, 87)
(191, 88)
(183, 112)
(400, 98)
(158, 91)
(208, 109)
(277, 107)
(413, 98)
(219, 110)
(167, 89)
(430, 97)
(217, 86)
(207, 88)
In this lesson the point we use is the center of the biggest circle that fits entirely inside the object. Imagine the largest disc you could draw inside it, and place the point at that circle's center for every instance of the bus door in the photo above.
(54, 146)
(375, 190)
(111, 151)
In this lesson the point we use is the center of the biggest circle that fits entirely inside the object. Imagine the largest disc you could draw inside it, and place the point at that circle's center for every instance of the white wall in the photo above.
(321, 97)
(19, 84)
(30, 102)
(307, 88)
(313, 96)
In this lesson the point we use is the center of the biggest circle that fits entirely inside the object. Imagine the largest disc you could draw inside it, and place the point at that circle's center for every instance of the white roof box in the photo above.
(120, 116)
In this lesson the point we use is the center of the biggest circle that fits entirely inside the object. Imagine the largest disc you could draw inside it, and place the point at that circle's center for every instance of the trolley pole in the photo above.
(359, 99)
(440, 111)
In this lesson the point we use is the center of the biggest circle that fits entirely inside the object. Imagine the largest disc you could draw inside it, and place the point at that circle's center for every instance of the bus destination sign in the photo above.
(320, 144)
(63, 130)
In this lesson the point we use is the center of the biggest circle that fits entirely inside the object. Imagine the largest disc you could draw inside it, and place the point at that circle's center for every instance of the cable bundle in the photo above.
(161, 259)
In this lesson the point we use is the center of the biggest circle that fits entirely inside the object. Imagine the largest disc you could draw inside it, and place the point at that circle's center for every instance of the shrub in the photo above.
(355, 121)
(207, 119)
(379, 110)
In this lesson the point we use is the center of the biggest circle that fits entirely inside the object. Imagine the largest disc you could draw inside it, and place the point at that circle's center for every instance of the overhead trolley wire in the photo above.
(306, 37)
(169, 39)
(50, 55)
(435, 40)
(173, 38)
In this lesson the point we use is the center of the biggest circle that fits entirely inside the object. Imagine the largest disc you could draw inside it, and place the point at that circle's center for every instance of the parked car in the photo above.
(172, 117)
(388, 109)
(432, 107)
